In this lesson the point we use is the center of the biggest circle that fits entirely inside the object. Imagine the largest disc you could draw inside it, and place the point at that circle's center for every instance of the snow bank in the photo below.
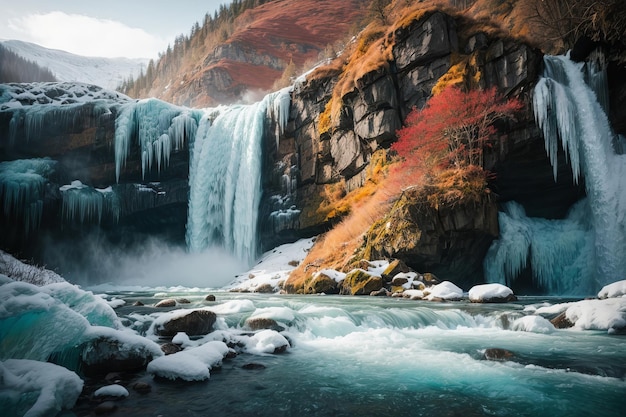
(192, 364)
(273, 267)
(488, 292)
(19, 271)
(32, 388)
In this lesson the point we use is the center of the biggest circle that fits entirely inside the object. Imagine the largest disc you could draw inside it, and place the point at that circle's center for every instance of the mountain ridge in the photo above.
(108, 73)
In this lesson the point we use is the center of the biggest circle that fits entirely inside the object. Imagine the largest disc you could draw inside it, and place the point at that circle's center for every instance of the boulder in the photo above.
(322, 283)
(209, 297)
(446, 291)
(261, 323)
(265, 289)
(383, 292)
(103, 355)
(491, 293)
(197, 322)
(561, 321)
(360, 282)
(497, 354)
(169, 302)
(395, 267)
(170, 348)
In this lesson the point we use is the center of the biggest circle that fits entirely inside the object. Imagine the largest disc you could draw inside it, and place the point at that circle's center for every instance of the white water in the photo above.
(371, 356)
(570, 115)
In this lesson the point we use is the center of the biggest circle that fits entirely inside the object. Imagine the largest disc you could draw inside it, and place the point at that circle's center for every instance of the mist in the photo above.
(152, 262)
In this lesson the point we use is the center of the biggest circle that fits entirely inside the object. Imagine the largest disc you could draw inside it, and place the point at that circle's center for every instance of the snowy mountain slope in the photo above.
(104, 72)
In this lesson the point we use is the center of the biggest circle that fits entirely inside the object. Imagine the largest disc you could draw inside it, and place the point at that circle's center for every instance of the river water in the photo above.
(373, 356)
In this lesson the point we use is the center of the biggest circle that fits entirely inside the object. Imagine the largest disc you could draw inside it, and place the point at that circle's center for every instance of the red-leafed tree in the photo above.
(453, 129)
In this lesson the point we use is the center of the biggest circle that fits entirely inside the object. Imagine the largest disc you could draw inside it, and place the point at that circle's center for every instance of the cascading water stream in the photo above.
(568, 110)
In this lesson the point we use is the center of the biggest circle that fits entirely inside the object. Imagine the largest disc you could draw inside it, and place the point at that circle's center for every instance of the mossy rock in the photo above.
(322, 283)
(395, 267)
(360, 282)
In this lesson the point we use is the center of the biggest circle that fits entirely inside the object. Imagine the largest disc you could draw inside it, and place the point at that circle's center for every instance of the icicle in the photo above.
(278, 109)
(567, 109)
(159, 128)
(85, 204)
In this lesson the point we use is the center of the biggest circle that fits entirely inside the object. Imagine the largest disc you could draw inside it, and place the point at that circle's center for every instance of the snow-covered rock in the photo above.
(267, 341)
(114, 390)
(614, 290)
(445, 291)
(20, 271)
(608, 314)
(491, 293)
(534, 324)
(192, 364)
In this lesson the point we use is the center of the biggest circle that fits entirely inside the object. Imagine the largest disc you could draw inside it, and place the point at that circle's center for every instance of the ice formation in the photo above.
(160, 129)
(82, 203)
(560, 252)
(22, 187)
(585, 251)
(225, 176)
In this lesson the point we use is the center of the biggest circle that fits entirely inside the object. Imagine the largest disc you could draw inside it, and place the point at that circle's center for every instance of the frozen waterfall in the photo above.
(225, 175)
(570, 112)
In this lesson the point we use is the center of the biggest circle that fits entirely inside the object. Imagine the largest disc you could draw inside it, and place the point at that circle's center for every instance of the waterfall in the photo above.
(570, 112)
(225, 175)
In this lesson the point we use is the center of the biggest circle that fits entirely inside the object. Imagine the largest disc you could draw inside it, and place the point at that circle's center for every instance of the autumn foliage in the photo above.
(453, 129)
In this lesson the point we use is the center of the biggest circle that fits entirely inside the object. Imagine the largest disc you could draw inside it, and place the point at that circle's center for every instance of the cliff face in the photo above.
(74, 125)
(451, 242)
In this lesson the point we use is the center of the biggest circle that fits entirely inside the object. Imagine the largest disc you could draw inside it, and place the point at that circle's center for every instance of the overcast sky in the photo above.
(106, 28)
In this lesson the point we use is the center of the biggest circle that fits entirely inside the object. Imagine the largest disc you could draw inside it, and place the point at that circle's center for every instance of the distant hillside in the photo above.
(15, 69)
(66, 67)
(247, 46)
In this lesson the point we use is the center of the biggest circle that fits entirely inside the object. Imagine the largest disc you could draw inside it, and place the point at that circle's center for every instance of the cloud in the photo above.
(88, 36)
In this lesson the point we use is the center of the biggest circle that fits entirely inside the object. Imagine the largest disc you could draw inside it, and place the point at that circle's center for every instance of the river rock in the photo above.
(322, 283)
(142, 387)
(260, 323)
(497, 354)
(209, 297)
(170, 348)
(105, 408)
(169, 302)
(183, 301)
(197, 322)
(395, 267)
(491, 293)
(561, 321)
(360, 282)
(253, 366)
(265, 289)
(383, 292)
(103, 355)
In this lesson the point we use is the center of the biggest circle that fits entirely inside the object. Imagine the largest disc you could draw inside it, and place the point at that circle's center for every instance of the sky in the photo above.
(104, 28)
